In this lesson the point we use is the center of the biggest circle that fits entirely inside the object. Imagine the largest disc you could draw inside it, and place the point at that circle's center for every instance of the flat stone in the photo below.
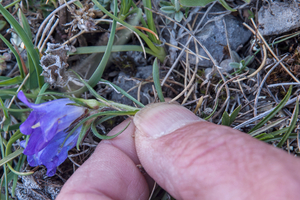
(224, 67)
(213, 37)
(125, 82)
(278, 18)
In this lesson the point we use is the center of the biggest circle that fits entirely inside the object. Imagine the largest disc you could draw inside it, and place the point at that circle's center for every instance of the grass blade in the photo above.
(211, 114)
(115, 48)
(11, 156)
(157, 81)
(4, 169)
(235, 113)
(82, 134)
(264, 136)
(105, 137)
(273, 113)
(99, 71)
(292, 125)
(267, 127)
(226, 119)
(27, 42)
(25, 24)
(12, 81)
(124, 93)
(15, 54)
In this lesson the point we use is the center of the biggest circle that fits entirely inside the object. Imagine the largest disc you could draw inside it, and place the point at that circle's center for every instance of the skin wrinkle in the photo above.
(223, 144)
(185, 160)
(114, 177)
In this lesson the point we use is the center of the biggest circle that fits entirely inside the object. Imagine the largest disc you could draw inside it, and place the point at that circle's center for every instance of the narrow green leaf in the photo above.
(12, 4)
(99, 71)
(158, 50)
(25, 24)
(10, 177)
(292, 125)
(194, 3)
(168, 9)
(13, 127)
(4, 176)
(226, 119)
(78, 4)
(4, 110)
(278, 137)
(150, 21)
(274, 112)
(211, 114)
(12, 81)
(115, 48)
(32, 82)
(2, 24)
(82, 134)
(105, 137)
(124, 93)
(3, 78)
(15, 177)
(164, 3)
(234, 114)
(42, 90)
(267, 127)
(27, 42)
(225, 5)
(11, 156)
(265, 136)
(157, 81)
(15, 54)
(3, 196)
(94, 116)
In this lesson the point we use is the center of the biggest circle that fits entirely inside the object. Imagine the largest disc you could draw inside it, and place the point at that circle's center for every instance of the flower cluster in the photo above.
(47, 126)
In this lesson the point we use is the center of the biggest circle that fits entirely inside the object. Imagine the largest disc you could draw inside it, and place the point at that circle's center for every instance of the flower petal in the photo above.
(49, 106)
(26, 127)
(53, 154)
(36, 142)
(57, 121)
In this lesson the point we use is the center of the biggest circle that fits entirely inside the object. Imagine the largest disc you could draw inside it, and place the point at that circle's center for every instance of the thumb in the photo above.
(195, 159)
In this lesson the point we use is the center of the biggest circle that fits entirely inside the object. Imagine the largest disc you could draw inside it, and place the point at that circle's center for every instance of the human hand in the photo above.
(188, 157)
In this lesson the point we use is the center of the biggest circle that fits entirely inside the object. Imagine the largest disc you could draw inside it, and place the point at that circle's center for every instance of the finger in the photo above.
(110, 173)
(194, 159)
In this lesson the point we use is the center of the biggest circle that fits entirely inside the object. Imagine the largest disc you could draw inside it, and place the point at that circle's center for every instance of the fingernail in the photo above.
(159, 119)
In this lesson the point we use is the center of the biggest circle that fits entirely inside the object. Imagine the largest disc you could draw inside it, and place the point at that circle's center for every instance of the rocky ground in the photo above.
(197, 71)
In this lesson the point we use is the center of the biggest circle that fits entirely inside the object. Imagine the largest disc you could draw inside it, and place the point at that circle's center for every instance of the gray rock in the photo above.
(125, 82)
(224, 67)
(37, 187)
(278, 18)
(213, 37)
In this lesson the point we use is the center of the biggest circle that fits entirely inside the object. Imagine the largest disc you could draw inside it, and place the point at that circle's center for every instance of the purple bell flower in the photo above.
(47, 125)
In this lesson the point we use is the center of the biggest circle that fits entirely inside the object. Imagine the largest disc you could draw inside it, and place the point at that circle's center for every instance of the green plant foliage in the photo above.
(269, 126)
(157, 82)
(193, 3)
(172, 9)
(2, 24)
(228, 119)
(268, 136)
(105, 137)
(33, 55)
(292, 125)
(274, 112)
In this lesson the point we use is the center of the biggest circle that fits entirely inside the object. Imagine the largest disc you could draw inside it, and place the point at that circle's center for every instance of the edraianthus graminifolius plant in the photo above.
(47, 126)
(55, 127)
